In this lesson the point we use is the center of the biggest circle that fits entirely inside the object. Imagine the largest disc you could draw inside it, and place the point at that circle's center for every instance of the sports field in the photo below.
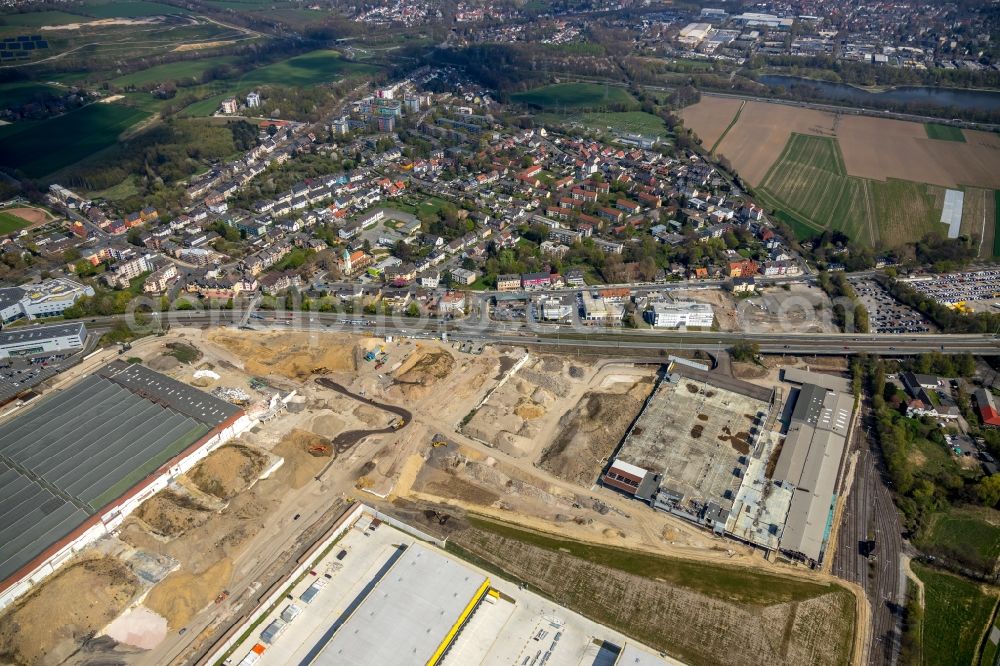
(810, 185)
(10, 223)
(38, 149)
(944, 132)
(574, 97)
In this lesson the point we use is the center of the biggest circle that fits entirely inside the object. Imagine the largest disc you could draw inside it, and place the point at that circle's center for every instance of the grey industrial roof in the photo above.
(187, 400)
(809, 460)
(39, 333)
(830, 382)
(10, 296)
(407, 615)
(73, 453)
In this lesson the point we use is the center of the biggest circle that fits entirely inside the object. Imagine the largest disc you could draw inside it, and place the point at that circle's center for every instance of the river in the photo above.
(979, 100)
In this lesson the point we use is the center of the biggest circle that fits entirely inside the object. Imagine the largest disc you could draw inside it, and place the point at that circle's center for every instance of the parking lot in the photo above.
(885, 313)
(20, 374)
(977, 290)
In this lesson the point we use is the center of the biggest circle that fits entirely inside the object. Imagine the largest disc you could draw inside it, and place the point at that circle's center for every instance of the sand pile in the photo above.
(79, 599)
(181, 594)
(424, 368)
(228, 471)
(529, 410)
(300, 466)
(171, 514)
(293, 355)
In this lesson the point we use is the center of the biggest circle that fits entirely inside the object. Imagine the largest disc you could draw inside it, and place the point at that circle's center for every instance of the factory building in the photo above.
(77, 462)
(809, 464)
(54, 339)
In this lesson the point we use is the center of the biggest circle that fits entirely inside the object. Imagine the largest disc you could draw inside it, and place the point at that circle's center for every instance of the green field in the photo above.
(174, 71)
(16, 94)
(955, 617)
(944, 132)
(306, 70)
(574, 97)
(38, 149)
(970, 535)
(10, 223)
(809, 187)
(635, 122)
(38, 19)
(129, 9)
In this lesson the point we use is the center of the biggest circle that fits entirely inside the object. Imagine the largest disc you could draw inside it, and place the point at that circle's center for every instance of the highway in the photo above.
(579, 336)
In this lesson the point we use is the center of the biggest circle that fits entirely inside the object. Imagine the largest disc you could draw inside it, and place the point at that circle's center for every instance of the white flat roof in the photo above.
(408, 614)
(951, 214)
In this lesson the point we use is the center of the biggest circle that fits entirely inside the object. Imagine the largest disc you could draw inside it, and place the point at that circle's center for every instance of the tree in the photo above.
(988, 490)
(745, 351)
(413, 310)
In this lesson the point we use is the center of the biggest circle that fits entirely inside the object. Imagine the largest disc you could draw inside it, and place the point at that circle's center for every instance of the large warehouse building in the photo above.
(74, 465)
(810, 462)
(411, 616)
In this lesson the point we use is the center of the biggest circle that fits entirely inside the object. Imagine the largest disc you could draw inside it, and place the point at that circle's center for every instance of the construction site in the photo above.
(400, 424)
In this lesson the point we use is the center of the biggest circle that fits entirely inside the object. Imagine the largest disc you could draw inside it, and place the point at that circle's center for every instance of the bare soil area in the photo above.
(228, 471)
(881, 148)
(799, 309)
(182, 594)
(78, 600)
(590, 432)
(302, 465)
(292, 355)
(757, 139)
(170, 513)
(33, 215)
(710, 117)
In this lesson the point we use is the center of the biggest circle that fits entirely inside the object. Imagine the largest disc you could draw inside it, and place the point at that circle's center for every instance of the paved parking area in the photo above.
(885, 313)
(979, 290)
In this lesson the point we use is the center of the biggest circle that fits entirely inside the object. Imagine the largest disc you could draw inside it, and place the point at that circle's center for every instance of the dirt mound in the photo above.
(181, 594)
(171, 514)
(293, 355)
(590, 432)
(163, 363)
(228, 471)
(426, 366)
(528, 410)
(300, 466)
(78, 600)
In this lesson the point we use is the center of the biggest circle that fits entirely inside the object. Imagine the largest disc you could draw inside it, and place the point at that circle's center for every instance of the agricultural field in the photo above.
(944, 132)
(810, 186)
(574, 97)
(956, 614)
(38, 19)
(888, 187)
(810, 183)
(969, 535)
(38, 149)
